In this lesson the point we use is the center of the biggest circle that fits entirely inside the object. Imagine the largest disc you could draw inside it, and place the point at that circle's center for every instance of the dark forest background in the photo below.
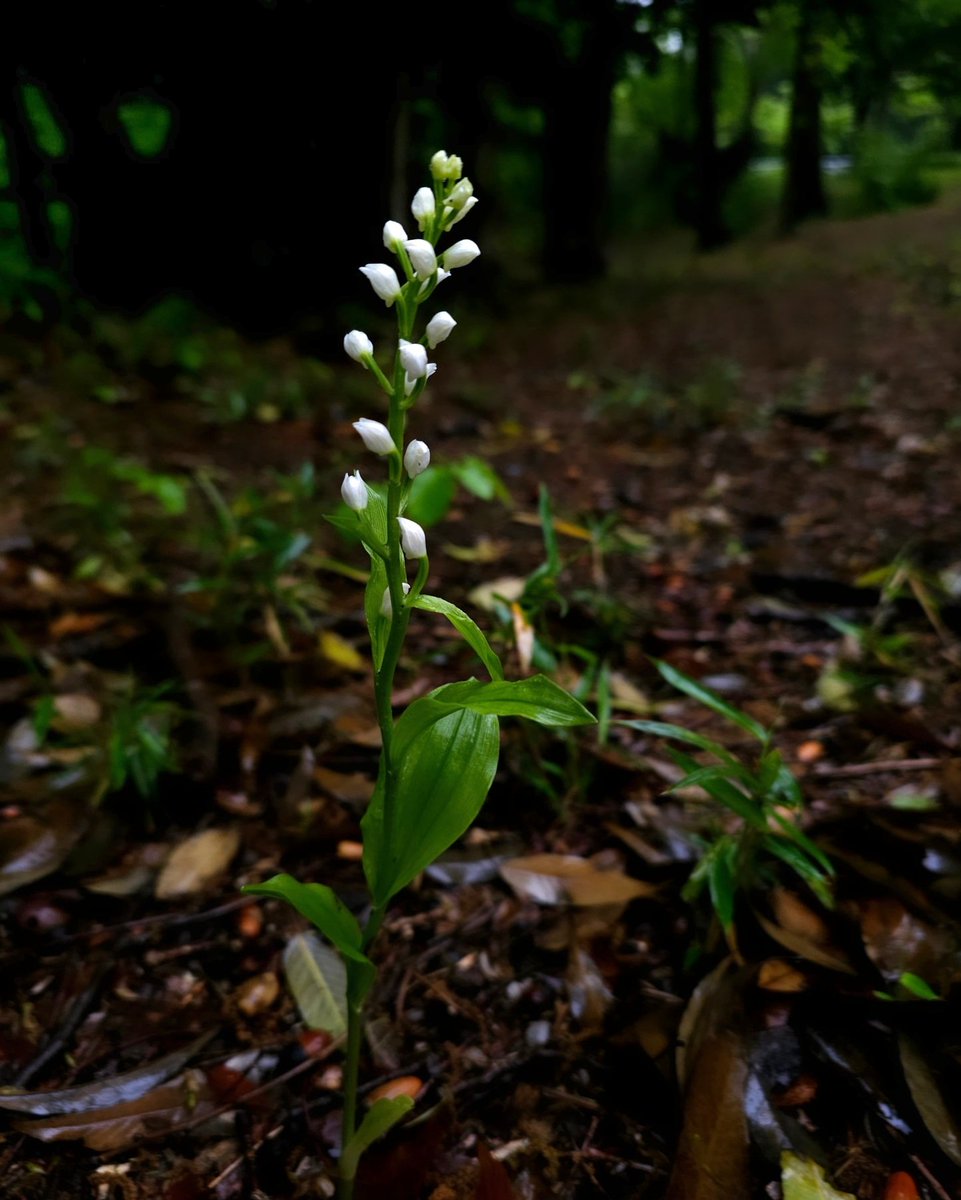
(241, 153)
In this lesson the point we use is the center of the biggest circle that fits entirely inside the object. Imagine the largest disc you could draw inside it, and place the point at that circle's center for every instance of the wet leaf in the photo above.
(103, 1093)
(712, 1154)
(553, 879)
(34, 846)
(928, 1099)
(317, 979)
(197, 863)
(493, 1181)
(802, 1179)
(123, 1124)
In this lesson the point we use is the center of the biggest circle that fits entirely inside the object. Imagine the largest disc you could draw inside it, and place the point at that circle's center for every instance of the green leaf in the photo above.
(536, 699)
(706, 777)
(467, 628)
(377, 624)
(798, 835)
(723, 791)
(317, 980)
(321, 906)
(803, 1179)
(443, 775)
(604, 703)
(381, 1117)
(431, 495)
(812, 874)
(917, 986)
(662, 729)
(709, 699)
(480, 479)
(722, 879)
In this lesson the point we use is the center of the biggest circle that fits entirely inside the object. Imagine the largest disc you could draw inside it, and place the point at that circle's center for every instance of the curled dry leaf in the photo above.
(197, 863)
(103, 1093)
(553, 879)
(114, 1128)
(32, 846)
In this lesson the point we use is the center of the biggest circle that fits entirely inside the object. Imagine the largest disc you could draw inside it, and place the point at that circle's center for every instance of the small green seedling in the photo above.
(763, 793)
(439, 757)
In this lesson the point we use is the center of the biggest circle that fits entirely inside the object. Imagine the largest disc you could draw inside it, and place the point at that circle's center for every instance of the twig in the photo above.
(76, 1014)
(882, 766)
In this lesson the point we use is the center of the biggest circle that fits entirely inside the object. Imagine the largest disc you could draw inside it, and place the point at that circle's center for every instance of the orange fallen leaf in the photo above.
(404, 1085)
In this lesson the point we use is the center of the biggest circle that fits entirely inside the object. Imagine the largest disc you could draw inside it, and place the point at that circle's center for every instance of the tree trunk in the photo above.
(804, 188)
(708, 221)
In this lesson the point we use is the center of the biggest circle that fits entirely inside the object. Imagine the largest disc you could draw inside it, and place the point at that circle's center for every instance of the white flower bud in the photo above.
(413, 357)
(439, 328)
(460, 254)
(410, 384)
(386, 608)
(460, 194)
(375, 436)
(422, 257)
(423, 206)
(354, 492)
(468, 205)
(358, 345)
(394, 235)
(383, 280)
(416, 458)
(445, 166)
(413, 540)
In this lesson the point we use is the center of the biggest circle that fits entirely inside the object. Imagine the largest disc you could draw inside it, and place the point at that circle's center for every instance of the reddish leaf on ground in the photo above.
(493, 1182)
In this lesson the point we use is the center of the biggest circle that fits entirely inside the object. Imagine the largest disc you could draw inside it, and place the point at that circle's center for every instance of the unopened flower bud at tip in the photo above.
(354, 492)
(416, 458)
(446, 166)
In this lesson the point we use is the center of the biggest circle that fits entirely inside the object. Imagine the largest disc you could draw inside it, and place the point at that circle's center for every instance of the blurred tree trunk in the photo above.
(804, 187)
(577, 112)
(708, 222)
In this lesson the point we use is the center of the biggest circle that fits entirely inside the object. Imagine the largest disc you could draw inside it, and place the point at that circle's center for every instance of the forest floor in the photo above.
(752, 466)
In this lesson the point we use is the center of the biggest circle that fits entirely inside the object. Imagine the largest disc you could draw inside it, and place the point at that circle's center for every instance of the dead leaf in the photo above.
(403, 1085)
(317, 980)
(565, 878)
(341, 653)
(103, 1093)
(493, 1182)
(115, 1128)
(824, 955)
(712, 1154)
(776, 975)
(75, 711)
(257, 994)
(523, 637)
(36, 845)
(197, 862)
(928, 1099)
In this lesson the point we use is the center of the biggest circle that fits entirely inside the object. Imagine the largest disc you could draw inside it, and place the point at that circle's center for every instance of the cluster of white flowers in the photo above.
(435, 210)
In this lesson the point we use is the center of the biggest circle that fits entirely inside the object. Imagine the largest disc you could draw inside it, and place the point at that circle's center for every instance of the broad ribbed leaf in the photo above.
(467, 628)
(319, 904)
(443, 775)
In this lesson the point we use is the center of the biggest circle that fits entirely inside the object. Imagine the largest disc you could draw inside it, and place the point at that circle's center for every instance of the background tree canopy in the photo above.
(204, 150)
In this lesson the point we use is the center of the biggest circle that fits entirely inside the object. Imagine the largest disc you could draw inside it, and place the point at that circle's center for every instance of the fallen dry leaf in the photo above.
(197, 862)
(566, 879)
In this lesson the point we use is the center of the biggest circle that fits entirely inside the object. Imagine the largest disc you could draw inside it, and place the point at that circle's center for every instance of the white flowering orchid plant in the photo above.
(438, 759)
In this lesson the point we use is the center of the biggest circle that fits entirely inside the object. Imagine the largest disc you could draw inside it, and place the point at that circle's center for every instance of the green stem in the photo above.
(355, 1012)
(383, 689)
